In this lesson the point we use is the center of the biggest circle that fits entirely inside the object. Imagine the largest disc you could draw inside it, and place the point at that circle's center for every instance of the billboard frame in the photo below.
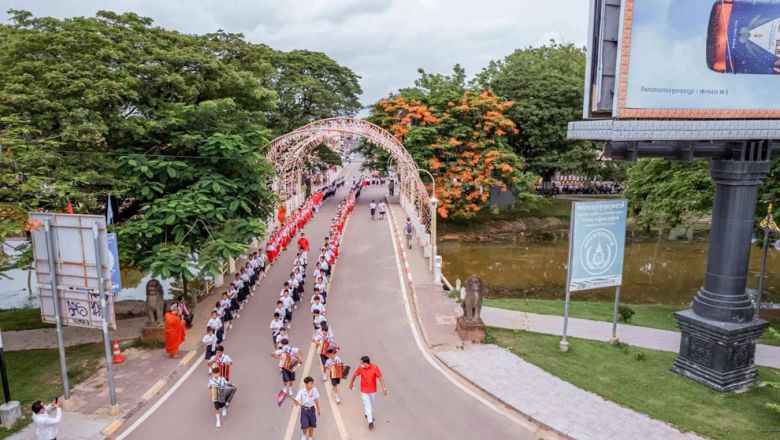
(620, 110)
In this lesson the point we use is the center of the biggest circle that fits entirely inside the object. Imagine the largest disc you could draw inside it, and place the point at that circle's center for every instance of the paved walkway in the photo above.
(558, 404)
(47, 337)
(655, 339)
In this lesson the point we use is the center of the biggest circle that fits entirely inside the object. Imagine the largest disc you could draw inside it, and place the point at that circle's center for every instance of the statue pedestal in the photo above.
(470, 330)
(718, 354)
(153, 333)
(10, 412)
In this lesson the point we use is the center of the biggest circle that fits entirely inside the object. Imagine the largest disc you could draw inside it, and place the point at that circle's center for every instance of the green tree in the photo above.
(546, 85)
(169, 123)
(669, 193)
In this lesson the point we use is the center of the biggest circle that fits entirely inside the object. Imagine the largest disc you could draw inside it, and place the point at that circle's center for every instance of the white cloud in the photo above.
(383, 41)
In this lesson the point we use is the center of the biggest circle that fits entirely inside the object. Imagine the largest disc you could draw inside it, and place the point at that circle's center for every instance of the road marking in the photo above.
(159, 403)
(307, 369)
(426, 354)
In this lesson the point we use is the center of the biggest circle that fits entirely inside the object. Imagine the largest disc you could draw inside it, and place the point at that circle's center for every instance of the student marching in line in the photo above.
(372, 207)
(289, 360)
(216, 323)
(227, 315)
(281, 336)
(276, 325)
(287, 303)
(294, 285)
(308, 398)
(210, 341)
(382, 210)
(369, 374)
(217, 382)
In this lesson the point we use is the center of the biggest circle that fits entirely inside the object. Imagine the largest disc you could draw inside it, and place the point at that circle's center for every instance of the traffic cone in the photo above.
(118, 356)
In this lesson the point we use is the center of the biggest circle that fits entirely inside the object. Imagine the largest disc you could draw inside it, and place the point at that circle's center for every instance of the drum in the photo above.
(337, 371)
(289, 362)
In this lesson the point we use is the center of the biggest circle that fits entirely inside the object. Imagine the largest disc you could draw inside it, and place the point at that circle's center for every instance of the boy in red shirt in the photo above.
(369, 373)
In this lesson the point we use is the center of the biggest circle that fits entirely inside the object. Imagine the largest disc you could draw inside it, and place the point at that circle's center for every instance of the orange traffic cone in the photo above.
(118, 356)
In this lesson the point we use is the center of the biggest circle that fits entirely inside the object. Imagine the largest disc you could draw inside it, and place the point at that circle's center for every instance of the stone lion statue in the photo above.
(154, 302)
(472, 303)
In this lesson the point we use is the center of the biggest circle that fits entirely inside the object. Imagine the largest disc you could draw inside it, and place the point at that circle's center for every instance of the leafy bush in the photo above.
(625, 313)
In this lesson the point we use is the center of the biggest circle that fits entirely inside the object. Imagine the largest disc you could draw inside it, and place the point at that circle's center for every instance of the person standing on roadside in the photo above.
(369, 374)
(308, 398)
(408, 231)
(46, 426)
(175, 331)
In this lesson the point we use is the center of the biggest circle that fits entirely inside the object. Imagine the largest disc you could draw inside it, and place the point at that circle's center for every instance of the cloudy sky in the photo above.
(383, 41)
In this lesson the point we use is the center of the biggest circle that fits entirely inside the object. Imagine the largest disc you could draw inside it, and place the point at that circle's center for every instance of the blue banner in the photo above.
(113, 256)
(597, 243)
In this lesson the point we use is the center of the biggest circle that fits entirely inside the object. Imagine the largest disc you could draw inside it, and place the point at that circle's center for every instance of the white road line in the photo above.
(424, 349)
(147, 414)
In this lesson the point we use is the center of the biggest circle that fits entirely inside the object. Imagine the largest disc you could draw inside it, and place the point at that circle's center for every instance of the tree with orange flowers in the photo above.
(459, 134)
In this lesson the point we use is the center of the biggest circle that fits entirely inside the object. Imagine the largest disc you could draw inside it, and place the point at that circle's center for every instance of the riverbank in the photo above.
(645, 315)
(640, 379)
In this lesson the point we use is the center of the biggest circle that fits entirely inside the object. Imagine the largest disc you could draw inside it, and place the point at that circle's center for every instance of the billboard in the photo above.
(75, 266)
(688, 59)
(597, 243)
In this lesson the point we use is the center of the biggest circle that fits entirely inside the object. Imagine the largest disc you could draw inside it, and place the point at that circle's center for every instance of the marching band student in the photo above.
(289, 360)
(323, 339)
(222, 361)
(335, 368)
(276, 324)
(216, 382)
(215, 322)
(308, 398)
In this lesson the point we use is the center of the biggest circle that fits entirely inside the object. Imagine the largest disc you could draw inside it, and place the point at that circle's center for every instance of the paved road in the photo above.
(367, 311)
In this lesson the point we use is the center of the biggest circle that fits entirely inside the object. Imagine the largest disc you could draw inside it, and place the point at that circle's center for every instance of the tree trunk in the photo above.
(29, 282)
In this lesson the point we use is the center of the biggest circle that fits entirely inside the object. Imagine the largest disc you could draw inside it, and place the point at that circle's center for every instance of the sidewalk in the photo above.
(558, 404)
(540, 396)
(47, 337)
(655, 339)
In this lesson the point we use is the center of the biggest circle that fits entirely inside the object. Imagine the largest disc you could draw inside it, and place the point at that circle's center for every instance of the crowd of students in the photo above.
(241, 288)
(289, 358)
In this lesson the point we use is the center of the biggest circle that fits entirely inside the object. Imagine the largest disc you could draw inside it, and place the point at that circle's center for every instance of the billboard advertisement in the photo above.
(699, 59)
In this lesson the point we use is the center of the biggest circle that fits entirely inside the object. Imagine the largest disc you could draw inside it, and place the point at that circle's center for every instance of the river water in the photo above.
(656, 271)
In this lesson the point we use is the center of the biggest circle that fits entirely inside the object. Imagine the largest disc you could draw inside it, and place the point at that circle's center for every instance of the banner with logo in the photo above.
(597, 242)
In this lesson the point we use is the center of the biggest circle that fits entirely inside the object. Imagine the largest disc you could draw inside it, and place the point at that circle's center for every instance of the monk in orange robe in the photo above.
(175, 332)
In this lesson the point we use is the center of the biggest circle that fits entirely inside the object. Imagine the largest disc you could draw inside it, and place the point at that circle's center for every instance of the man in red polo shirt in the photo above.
(369, 373)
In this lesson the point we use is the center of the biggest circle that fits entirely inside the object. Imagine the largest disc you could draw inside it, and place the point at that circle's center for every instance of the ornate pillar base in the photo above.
(718, 354)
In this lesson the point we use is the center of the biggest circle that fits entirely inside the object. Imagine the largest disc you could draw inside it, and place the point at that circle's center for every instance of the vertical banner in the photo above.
(597, 244)
(113, 257)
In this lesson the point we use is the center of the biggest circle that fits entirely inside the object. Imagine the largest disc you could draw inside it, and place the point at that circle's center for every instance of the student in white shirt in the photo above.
(217, 381)
(46, 426)
(221, 360)
(335, 368)
(288, 376)
(323, 339)
(372, 207)
(276, 324)
(216, 324)
(281, 336)
(210, 341)
(308, 398)
(288, 303)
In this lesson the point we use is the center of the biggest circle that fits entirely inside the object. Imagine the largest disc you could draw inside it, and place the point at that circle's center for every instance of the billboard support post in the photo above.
(103, 310)
(564, 344)
(57, 316)
(614, 340)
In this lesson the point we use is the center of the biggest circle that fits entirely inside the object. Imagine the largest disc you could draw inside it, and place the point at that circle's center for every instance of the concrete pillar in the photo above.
(719, 333)
(437, 266)
(10, 412)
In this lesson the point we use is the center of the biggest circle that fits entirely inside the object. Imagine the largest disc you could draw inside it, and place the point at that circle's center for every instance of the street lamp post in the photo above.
(433, 203)
(768, 225)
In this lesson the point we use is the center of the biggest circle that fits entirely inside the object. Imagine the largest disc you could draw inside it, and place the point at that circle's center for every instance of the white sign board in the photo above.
(75, 268)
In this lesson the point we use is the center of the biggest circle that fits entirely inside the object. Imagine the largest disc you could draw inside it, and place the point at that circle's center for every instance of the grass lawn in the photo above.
(35, 375)
(640, 379)
(647, 315)
(21, 319)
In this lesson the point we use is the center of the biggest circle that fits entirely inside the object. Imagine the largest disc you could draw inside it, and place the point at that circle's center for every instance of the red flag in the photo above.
(280, 397)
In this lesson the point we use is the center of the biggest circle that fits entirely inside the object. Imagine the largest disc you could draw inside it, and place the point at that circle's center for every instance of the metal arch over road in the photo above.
(288, 152)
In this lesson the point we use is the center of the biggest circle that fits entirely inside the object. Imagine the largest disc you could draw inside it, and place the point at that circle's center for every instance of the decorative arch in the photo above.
(287, 154)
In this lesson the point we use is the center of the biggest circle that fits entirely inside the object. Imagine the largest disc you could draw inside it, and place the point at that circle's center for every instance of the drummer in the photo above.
(289, 360)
